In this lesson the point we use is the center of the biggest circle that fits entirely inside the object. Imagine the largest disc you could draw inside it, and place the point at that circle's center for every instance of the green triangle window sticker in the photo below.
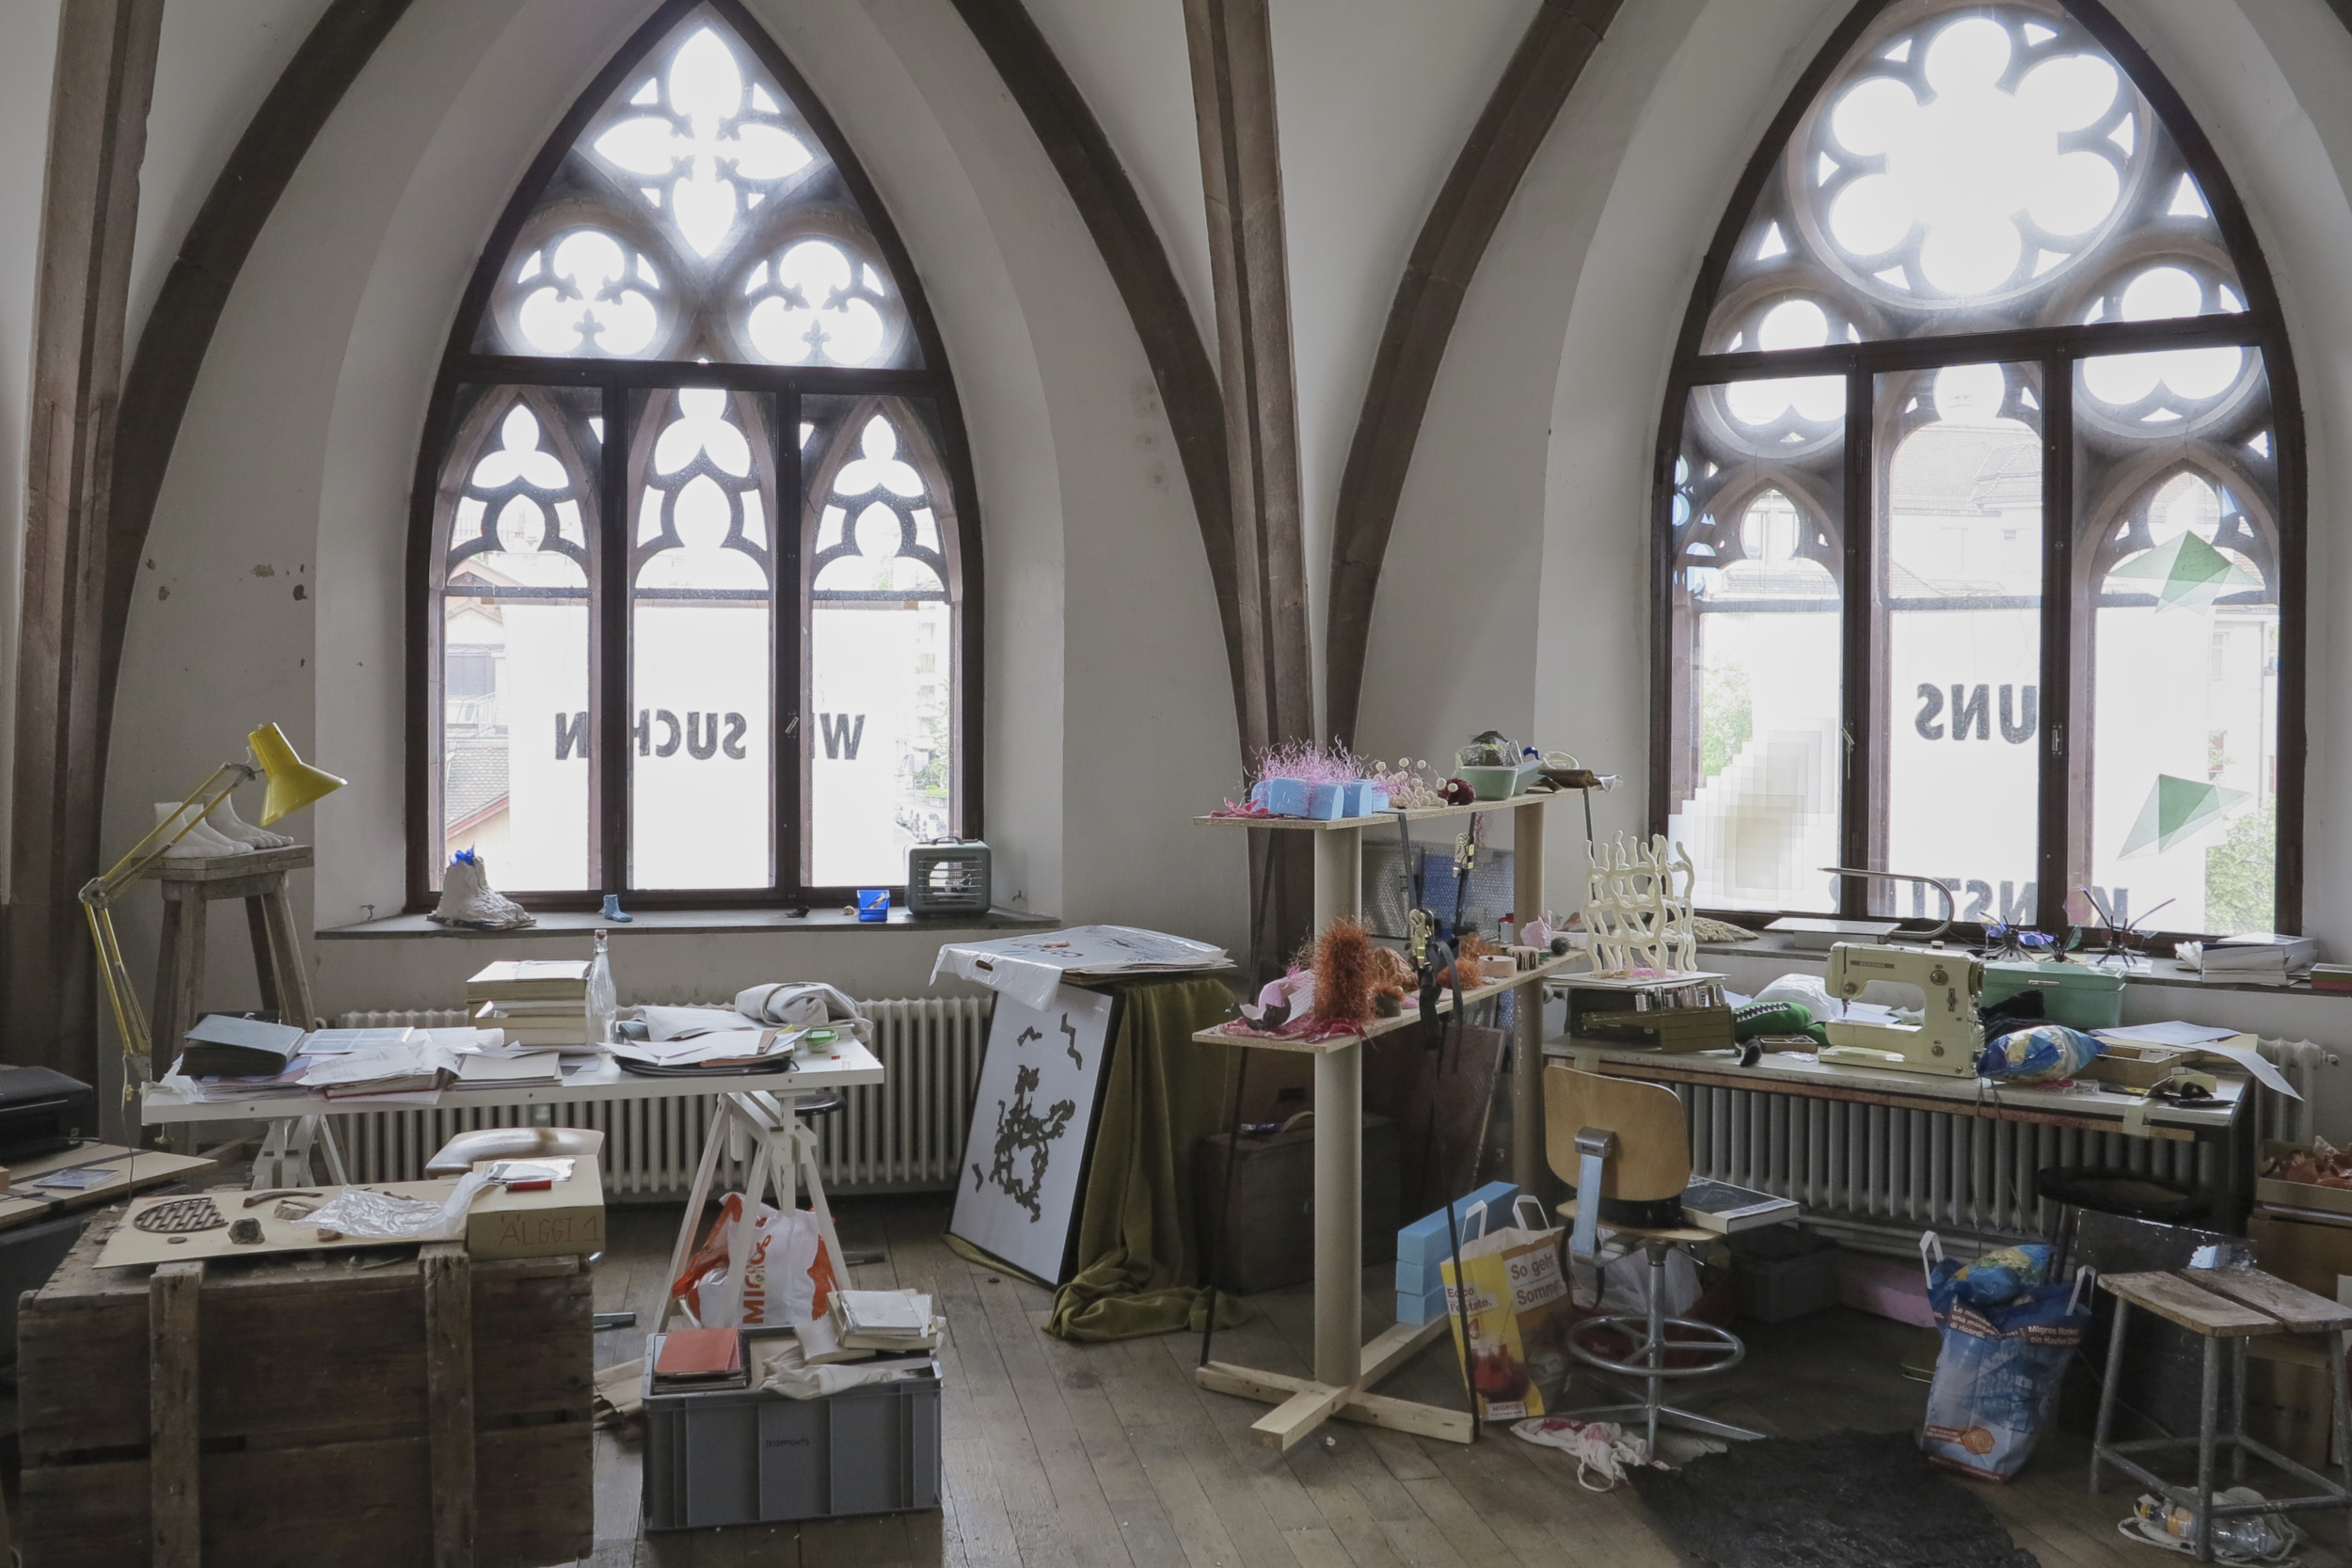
(2177, 810)
(2189, 573)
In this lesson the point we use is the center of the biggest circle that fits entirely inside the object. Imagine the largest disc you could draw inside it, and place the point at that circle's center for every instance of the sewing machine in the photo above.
(1948, 1039)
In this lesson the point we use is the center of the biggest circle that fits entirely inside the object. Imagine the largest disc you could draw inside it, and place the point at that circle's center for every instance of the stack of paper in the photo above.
(421, 1067)
(897, 1321)
(2257, 959)
(1030, 968)
(720, 1047)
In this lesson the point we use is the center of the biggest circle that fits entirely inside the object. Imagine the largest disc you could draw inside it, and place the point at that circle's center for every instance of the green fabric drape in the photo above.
(1136, 1236)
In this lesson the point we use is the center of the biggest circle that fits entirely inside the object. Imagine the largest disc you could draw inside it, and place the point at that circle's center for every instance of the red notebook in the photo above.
(699, 1353)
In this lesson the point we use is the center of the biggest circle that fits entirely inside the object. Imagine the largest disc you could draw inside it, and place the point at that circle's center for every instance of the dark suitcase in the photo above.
(1268, 1238)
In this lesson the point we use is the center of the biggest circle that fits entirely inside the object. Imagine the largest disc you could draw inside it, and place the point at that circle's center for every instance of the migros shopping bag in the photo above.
(785, 1279)
(1512, 1298)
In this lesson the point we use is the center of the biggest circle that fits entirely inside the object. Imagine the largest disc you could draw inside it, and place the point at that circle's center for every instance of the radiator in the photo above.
(1890, 1171)
(905, 1135)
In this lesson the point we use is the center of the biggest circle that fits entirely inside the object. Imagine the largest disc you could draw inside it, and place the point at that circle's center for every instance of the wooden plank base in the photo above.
(1301, 1404)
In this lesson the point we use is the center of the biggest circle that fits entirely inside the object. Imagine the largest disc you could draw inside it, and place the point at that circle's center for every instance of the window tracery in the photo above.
(716, 658)
(1988, 226)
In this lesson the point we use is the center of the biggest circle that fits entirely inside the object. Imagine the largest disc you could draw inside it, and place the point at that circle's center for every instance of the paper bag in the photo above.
(1514, 1299)
(786, 1279)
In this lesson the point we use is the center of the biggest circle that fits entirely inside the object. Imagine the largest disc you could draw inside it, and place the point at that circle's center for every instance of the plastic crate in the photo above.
(745, 1457)
(1781, 1272)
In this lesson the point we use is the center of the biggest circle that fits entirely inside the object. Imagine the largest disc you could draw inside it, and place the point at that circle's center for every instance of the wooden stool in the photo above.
(2234, 1305)
(189, 886)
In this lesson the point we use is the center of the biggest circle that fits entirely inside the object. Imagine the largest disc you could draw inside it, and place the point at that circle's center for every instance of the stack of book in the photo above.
(2331, 977)
(2257, 958)
(695, 1360)
(860, 1323)
(535, 1001)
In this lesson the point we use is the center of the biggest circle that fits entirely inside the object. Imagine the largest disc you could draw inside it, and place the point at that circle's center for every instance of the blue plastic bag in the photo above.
(1996, 1381)
(2036, 1053)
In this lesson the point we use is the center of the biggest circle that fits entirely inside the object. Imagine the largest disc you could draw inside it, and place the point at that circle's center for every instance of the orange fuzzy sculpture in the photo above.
(1467, 950)
(1347, 970)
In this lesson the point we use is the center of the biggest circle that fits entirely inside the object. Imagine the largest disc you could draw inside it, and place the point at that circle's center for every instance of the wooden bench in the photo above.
(2231, 1306)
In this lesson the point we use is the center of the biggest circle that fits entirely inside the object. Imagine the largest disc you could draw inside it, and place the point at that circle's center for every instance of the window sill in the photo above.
(568, 922)
(2163, 971)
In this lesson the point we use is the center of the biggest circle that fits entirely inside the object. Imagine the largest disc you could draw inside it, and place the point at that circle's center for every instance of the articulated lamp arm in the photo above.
(99, 894)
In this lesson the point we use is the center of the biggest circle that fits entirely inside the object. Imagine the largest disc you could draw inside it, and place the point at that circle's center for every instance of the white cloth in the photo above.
(801, 1005)
(779, 1367)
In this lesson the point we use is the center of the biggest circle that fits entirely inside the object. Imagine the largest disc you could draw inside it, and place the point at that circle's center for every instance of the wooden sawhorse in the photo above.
(189, 887)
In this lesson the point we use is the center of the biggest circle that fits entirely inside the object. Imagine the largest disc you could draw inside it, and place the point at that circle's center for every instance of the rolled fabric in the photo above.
(802, 1005)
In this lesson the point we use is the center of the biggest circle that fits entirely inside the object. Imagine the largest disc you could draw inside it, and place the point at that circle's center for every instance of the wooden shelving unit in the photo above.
(1346, 1369)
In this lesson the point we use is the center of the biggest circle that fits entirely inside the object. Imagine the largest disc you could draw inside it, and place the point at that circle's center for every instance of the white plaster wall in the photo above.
(1374, 99)
(1515, 590)
(1108, 716)
(215, 62)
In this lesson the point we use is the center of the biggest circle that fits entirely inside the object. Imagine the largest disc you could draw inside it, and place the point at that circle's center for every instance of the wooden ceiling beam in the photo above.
(1241, 169)
(104, 82)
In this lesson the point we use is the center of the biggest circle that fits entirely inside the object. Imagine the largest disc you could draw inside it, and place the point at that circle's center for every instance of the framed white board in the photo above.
(1032, 1119)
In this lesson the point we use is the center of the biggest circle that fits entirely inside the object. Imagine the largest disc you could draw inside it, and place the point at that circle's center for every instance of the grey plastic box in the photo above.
(746, 1457)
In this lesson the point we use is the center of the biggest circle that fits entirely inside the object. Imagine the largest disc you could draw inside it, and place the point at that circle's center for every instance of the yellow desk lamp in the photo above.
(293, 784)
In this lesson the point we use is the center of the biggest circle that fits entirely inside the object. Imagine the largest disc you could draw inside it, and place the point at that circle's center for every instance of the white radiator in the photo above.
(1880, 1169)
(905, 1135)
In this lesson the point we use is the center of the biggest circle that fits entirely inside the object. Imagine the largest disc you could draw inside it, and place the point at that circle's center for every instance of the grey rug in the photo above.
(1850, 1499)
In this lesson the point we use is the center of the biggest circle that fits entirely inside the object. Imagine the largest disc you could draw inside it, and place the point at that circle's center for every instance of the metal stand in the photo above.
(759, 1125)
(284, 1159)
(1718, 1350)
(2210, 1440)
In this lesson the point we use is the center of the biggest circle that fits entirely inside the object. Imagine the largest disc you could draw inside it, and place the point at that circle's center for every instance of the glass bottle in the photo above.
(604, 1003)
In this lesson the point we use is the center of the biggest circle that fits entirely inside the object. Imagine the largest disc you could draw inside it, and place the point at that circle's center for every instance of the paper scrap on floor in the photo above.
(1030, 968)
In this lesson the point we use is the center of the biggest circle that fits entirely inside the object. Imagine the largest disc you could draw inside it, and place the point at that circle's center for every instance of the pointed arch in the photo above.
(642, 411)
(2030, 308)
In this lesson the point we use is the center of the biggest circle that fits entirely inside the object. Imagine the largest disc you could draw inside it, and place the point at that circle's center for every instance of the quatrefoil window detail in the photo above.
(709, 146)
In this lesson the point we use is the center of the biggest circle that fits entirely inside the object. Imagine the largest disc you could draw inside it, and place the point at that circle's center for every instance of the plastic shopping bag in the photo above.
(786, 1279)
(1996, 1380)
(1515, 1299)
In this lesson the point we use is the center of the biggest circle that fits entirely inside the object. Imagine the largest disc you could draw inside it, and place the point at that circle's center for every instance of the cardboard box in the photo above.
(566, 1218)
(2312, 1252)
(2300, 1194)
(2287, 1398)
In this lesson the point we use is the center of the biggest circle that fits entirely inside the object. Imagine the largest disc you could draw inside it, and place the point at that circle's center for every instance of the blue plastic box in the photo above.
(1285, 797)
(1425, 1308)
(1425, 1242)
(1419, 1279)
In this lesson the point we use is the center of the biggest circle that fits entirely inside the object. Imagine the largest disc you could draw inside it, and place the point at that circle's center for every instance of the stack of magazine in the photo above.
(861, 1324)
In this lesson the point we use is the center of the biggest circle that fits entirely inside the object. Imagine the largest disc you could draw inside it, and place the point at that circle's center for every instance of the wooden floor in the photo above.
(1107, 1454)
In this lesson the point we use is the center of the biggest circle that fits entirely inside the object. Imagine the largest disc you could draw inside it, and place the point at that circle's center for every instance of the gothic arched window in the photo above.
(695, 511)
(1979, 509)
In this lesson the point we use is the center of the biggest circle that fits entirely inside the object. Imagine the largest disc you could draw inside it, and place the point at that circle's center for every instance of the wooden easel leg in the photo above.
(285, 957)
(178, 975)
(265, 968)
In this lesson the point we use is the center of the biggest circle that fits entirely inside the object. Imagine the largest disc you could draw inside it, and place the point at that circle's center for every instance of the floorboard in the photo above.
(1063, 1455)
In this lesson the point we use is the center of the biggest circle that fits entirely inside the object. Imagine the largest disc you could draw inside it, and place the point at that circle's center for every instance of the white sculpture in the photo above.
(1637, 906)
(200, 842)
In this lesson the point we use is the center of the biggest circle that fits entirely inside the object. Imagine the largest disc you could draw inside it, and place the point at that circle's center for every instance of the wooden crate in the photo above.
(370, 1409)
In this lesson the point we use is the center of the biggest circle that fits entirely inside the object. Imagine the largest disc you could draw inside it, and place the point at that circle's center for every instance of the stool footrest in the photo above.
(1718, 1349)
